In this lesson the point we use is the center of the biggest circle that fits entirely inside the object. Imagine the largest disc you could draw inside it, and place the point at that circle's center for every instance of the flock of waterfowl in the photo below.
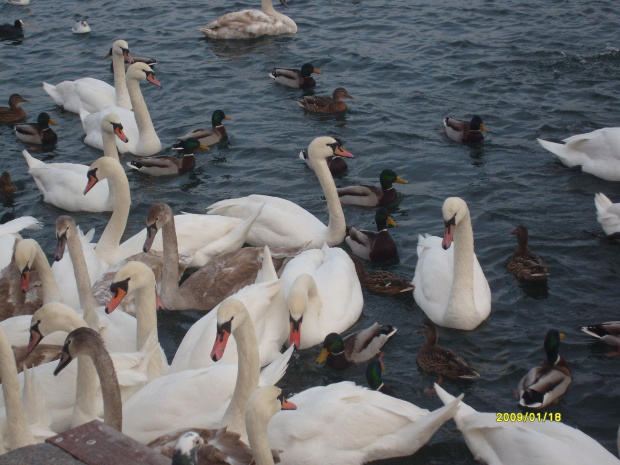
(293, 286)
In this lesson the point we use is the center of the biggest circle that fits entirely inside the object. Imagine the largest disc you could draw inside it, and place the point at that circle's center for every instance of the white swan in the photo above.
(450, 286)
(525, 442)
(249, 24)
(597, 152)
(608, 214)
(323, 295)
(62, 184)
(285, 224)
(93, 94)
(137, 124)
(9, 232)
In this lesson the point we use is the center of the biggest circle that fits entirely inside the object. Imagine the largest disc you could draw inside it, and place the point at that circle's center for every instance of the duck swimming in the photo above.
(14, 30)
(162, 166)
(371, 196)
(329, 105)
(13, 113)
(212, 136)
(463, 131)
(296, 78)
(376, 246)
(38, 133)
(524, 264)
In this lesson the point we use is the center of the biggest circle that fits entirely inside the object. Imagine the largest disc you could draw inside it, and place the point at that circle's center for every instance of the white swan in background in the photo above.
(93, 94)
(608, 214)
(283, 223)
(62, 184)
(194, 232)
(597, 152)
(137, 124)
(249, 24)
(450, 286)
(323, 294)
(9, 232)
(525, 443)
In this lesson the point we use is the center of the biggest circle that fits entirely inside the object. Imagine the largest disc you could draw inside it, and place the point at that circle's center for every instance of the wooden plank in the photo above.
(95, 443)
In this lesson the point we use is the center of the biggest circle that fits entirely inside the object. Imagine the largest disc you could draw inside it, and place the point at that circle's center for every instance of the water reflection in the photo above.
(238, 50)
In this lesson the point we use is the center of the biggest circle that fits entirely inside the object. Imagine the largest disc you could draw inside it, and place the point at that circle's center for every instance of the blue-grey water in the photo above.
(531, 69)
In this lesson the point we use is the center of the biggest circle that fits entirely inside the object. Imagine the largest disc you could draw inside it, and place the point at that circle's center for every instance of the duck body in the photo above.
(465, 131)
(329, 105)
(12, 30)
(250, 24)
(7, 188)
(608, 215)
(38, 133)
(547, 383)
(381, 281)
(371, 196)
(439, 361)
(376, 246)
(80, 27)
(524, 264)
(212, 136)
(374, 378)
(296, 78)
(14, 112)
(596, 152)
(608, 332)
(162, 166)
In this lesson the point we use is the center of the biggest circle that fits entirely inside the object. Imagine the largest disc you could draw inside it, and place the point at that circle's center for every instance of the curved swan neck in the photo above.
(110, 238)
(258, 436)
(304, 289)
(120, 84)
(109, 144)
(336, 228)
(141, 112)
(87, 384)
(462, 292)
(267, 7)
(146, 316)
(19, 432)
(87, 300)
(170, 295)
(247, 377)
(51, 291)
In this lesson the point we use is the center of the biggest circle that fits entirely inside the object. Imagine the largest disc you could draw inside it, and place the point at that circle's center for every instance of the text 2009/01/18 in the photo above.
(531, 416)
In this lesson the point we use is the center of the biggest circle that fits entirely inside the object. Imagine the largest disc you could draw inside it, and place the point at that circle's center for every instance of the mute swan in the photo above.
(323, 295)
(93, 94)
(335, 164)
(465, 131)
(328, 105)
(14, 112)
(296, 78)
(285, 224)
(9, 233)
(524, 443)
(371, 196)
(62, 184)
(597, 152)
(608, 215)
(524, 264)
(212, 136)
(37, 133)
(249, 24)
(450, 286)
(137, 124)
(376, 246)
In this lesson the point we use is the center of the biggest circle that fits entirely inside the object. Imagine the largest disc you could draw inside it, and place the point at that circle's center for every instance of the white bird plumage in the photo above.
(608, 214)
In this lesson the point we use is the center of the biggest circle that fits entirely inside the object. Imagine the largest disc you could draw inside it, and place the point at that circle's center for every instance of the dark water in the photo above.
(531, 69)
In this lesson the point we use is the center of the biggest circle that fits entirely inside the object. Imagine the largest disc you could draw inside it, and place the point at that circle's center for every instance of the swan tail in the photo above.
(53, 92)
(32, 162)
(567, 155)
(446, 398)
(602, 202)
(273, 372)
(83, 114)
(18, 224)
(267, 272)
(427, 426)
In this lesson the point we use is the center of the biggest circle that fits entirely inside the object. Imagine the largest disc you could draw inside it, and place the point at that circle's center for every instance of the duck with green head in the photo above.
(359, 347)
(162, 166)
(374, 378)
(465, 131)
(212, 136)
(371, 196)
(547, 383)
(376, 246)
(37, 133)
(296, 78)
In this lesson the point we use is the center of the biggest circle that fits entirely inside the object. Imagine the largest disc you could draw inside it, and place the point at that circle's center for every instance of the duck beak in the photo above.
(391, 222)
(322, 356)
(108, 55)
(562, 335)
(482, 128)
(203, 147)
(316, 71)
(51, 121)
(227, 117)
(401, 180)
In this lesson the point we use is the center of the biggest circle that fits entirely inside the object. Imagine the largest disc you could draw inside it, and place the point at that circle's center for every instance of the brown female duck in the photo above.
(328, 105)
(13, 113)
(381, 281)
(524, 264)
(371, 196)
(7, 188)
(463, 131)
(37, 133)
(439, 361)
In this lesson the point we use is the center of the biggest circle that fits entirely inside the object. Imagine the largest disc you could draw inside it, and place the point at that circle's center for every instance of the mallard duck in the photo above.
(608, 215)
(524, 264)
(374, 246)
(330, 105)
(463, 131)
(249, 24)
(37, 133)
(336, 165)
(162, 166)
(371, 196)
(547, 383)
(7, 188)
(8, 30)
(80, 27)
(439, 361)
(374, 379)
(296, 78)
(210, 136)
(14, 112)
(608, 332)
(358, 347)
(381, 281)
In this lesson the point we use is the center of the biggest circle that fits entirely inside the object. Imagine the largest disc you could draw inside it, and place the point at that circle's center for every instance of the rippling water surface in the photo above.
(531, 69)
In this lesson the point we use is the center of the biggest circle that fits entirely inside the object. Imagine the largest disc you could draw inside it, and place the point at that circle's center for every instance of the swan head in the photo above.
(25, 253)
(142, 72)
(65, 226)
(50, 318)
(101, 169)
(129, 278)
(297, 301)
(186, 449)
(230, 315)
(158, 215)
(111, 123)
(81, 340)
(120, 48)
(325, 147)
(454, 211)
(264, 403)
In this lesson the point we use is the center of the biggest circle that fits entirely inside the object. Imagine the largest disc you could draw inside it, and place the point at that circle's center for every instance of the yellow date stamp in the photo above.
(528, 416)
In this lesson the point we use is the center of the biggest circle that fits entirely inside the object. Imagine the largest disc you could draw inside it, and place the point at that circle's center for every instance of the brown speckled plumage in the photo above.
(380, 281)
(524, 264)
(330, 105)
(14, 112)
